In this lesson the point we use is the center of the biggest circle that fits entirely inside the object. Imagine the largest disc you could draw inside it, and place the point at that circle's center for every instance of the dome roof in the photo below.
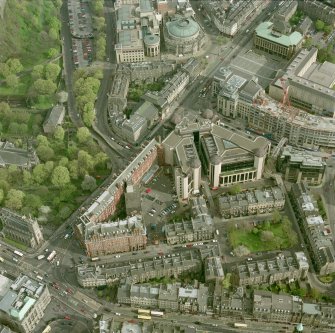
(183, 28)
(195, 163)
(207, 114)
(151, 39)
(215, 159)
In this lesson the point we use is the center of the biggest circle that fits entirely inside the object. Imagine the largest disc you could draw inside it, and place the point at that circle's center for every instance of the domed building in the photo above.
(152, 45)
(183, 35)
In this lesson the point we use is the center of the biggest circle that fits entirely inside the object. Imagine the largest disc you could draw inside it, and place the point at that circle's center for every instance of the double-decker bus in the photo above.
(18, 253)
(144, 317)
(143, 311)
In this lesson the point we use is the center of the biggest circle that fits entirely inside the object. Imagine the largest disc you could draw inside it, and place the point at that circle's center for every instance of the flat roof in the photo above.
(264, 30)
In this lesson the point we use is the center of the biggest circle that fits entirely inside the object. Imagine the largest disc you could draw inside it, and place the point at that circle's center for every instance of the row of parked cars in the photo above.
(168, 210)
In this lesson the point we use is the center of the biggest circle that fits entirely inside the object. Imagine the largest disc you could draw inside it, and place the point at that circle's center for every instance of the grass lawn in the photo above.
(43, 103)
(20, 90)
(15, 244)
(255, 244)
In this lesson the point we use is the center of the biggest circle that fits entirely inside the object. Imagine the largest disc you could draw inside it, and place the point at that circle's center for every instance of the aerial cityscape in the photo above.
(167, 166)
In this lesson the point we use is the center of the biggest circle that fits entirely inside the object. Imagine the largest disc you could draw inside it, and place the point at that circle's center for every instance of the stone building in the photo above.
(20, 228)
(280, 268)
(23, 302)
(102, 239)
(252, 202)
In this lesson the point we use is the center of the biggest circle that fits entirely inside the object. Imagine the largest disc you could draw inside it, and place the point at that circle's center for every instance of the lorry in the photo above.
(51, 255)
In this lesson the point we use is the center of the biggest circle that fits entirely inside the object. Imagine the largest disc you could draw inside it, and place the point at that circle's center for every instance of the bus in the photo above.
(39, 277)
(95, 259)
(144, 312)
(51, 255)
(144, 317)
(157, 313)
(2, 259)
(18, 253)
(239, 325)
(47, 329)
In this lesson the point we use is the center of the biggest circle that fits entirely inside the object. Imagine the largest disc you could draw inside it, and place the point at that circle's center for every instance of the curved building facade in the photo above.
(152, 47)
(183, 35)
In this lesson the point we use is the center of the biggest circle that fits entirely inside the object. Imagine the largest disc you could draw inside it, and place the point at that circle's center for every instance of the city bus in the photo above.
(157, 313)
(144, 317)
(95, 259)
(144, 312)
(51, 256)
(240, 325)
(18, 253)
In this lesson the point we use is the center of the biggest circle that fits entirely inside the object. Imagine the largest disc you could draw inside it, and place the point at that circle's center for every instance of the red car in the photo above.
(69, 290)
(67, 318)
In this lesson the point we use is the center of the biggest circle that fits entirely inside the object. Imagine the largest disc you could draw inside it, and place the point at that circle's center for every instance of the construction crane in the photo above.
(286, 101)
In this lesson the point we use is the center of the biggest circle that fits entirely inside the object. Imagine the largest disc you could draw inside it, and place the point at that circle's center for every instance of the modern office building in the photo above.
(318, 10)
(267, 38)
(316, 233)
(307, 83)
(134, 271)
(105, 204)
(20, 228)
(251, 202)
(169, 297)
(20, 157)
(300, 165)
(102, 239)
(23, 302)
(226, 157)
(269, 271)
(183, 35)
(230, 16)
(138, 31)
(238, 97)
(200, 227)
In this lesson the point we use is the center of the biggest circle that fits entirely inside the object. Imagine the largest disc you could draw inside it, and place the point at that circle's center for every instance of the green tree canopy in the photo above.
(89, 183)
(83, 135)
(59, 133)
(14, 199)
(12, 81)
(52, 71)
(14, 65)
(319, 25)
(60, 176)
(44, 87)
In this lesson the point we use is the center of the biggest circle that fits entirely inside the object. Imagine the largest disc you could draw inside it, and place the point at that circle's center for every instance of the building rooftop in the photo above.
(20, 296)
(264, 30)
(10, 155)
(182, 27)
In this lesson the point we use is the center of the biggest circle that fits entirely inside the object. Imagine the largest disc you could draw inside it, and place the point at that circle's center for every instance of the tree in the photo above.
(67, 193)
(267, 236)
(2, 195)
(276, 216)
(241, 251)
(44, 87)
(99, 23)
(52, 71)
(65, 212)
(14, 199)
(59, 133)
(52, 52)
(5, 110)
(88, 118)
(319, 25)
(83, 135)
(267, 225)
(85, 162)
(38, 72)
(45, 153)
(235, 189)
(60, 176)
(32, 201)
(327, 29)
(74, 169)
(49, 166)
(53, 34)
(12, 81)
(27, 178)
(64, 161)
(14, 65)
(42, 140)
(40, 174)
(4, 70)
(89, 183)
